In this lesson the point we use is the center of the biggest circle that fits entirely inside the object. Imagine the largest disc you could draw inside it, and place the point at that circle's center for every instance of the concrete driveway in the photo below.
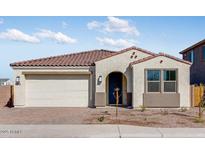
(44, 115)
(95, 131)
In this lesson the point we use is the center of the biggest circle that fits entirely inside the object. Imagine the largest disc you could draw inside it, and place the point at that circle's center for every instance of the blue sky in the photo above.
(24, 38)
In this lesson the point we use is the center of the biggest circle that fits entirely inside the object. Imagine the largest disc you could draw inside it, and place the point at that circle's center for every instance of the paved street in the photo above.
(95, 131)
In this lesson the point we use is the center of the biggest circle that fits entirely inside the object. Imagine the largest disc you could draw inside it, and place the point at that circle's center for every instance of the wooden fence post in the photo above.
(192, 95)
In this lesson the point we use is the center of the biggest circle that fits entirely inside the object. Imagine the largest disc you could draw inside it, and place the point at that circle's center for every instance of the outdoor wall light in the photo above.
(100, 78)
(17, 82)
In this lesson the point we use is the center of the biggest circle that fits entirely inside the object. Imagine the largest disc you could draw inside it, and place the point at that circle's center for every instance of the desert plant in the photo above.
(142, 108)
(106, 112)
(199, 120)
(101, 119)
(145, 118)
(183, 109)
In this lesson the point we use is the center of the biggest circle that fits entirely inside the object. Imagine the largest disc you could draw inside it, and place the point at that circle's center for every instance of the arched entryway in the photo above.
(116, 80)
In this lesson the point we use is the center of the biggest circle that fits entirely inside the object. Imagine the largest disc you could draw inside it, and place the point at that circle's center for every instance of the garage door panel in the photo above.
(58, 96)
(57, 90)
(56, 86)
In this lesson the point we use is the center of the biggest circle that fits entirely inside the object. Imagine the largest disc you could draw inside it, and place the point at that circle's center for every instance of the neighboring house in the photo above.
(196, 55)
(5, 82)
(88, 79)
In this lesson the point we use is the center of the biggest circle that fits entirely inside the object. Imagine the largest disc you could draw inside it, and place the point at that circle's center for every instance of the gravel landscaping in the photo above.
(149, 117)
(166, 118)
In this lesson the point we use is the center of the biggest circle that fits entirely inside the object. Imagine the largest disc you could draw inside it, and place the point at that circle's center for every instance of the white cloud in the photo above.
(114, 24)
(1, 21)
(56, 36)
(17, 35)
(93, 25)
(119, 43)
(119, 25)
(64, 24)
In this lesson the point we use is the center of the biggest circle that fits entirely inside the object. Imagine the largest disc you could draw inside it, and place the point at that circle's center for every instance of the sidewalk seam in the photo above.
(162, 135)
(118, 128)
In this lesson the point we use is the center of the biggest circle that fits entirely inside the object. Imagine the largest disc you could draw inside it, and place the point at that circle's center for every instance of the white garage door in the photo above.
(57, 90)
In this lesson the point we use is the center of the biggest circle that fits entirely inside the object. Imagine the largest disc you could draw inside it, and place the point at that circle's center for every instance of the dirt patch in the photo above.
(149, 118)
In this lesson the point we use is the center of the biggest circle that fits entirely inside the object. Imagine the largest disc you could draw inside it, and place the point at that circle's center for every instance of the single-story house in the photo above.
(89, 79)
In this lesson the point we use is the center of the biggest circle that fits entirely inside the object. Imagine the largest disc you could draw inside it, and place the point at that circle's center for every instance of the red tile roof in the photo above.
(86, 58)
(142, 60)
(160, 54)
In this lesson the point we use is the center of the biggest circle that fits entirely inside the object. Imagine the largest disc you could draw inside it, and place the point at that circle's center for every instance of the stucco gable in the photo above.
(130, 49)
(132, 54)
(147, 59)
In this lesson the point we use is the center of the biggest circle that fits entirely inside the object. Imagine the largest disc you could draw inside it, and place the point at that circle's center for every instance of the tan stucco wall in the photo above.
(20, 90)
(139, 79)
(117, 63)
(161, 100)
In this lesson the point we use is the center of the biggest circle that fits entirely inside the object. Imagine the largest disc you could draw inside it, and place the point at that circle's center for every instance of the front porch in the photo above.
(114, 80)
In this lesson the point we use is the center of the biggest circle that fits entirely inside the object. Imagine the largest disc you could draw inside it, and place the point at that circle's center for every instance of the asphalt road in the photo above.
(96, 131)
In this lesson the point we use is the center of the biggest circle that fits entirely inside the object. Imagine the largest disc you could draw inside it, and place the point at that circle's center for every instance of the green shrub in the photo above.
(106, 112)
(142, 108)
(198, 120)
(101, 119)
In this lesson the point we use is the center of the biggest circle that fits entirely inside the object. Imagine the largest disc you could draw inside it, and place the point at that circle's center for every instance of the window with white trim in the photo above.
(153, 81)
(164, 80)
(169, 81)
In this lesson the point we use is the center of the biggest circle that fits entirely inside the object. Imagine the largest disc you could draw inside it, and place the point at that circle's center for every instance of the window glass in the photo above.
(169, 80)
(153, 86)
(153, 75)
(169, 86)
(169, 75)
(191, 56)
(153, 81)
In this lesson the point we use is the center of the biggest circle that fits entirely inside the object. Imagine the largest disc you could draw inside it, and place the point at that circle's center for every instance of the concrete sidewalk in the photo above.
(95, 131)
